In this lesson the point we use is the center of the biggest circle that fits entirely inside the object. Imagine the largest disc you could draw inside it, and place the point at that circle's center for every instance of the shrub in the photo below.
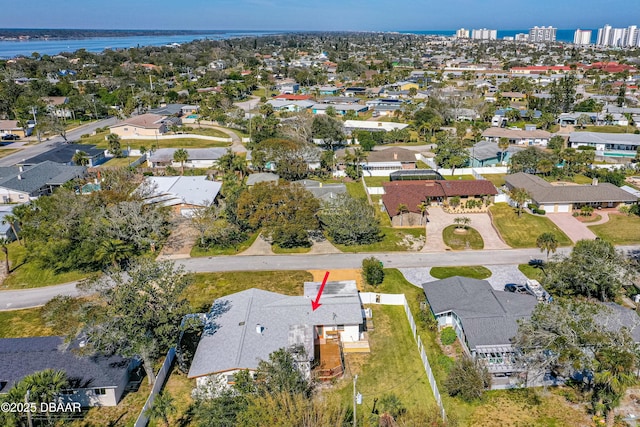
(84, 135)
(468, 379)
(540, 211)
(448, 336)
(372, 271)
(391, 404)
(291, 236)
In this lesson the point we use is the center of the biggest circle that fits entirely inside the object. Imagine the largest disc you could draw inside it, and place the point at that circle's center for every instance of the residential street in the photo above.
(35, 149)
(28, 298)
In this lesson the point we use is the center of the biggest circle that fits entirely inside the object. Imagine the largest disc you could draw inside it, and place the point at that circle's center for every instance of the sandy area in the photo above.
(347, 274)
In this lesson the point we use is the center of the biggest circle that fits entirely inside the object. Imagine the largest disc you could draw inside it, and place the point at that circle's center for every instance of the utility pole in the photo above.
(355, 401)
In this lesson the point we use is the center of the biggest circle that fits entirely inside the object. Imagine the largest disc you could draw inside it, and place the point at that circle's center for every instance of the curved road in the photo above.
(11, 300)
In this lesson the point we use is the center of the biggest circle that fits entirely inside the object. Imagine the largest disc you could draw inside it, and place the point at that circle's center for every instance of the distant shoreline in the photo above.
(26, 34)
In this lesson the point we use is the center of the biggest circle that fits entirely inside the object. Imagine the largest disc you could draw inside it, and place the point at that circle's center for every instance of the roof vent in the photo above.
(241, 324)
(82, 343)
(259, 328)
(19, 177)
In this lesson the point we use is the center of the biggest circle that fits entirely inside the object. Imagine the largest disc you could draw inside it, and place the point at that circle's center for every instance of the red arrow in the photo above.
(315, 304)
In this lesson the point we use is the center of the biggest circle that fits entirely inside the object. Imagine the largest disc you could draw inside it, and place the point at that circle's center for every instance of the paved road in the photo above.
(27, 298)
(33, 150)
(10, 300)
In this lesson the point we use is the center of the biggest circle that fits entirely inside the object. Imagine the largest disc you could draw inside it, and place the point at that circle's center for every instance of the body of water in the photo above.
(565, 36)
(13, 48)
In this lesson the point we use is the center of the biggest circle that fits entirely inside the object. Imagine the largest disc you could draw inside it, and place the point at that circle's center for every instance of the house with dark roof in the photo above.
(324, 192)
(95, 380)
(410, 195)
(485, 321)
(19, 184)
(487, 153)
(567, 198)
(244, 328)
(63, 154)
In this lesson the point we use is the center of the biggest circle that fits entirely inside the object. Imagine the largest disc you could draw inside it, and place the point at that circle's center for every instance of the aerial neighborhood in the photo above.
(323, 229)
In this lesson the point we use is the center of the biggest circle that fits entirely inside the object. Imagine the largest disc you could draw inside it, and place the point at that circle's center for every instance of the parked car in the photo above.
(10, 137)
(516, 288)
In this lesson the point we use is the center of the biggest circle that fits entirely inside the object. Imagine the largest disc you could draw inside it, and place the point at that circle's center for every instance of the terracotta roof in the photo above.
(412, 193)
(290, 97)
(393, 154)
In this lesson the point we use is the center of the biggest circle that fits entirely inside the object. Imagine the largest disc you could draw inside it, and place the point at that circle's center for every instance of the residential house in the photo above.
(394, 158)
(340, 109)
(372, 126)
(93, 380)
(6, 227)
(513, 96)
(567, 198)
(622, 145)
(329, 90)
(339, 100)
(291, 106)
(63, 154)
(176, 110)
(517, 136)
(292, 97)
(143, 125)
(485, 321)
(487, 153)
(256, 178)
(198, 158)
(183, 194)
(19, 184)
(288, 87)
(56, 106)
(324, 192)
(244, 328)
(411, 194)
(12, 127)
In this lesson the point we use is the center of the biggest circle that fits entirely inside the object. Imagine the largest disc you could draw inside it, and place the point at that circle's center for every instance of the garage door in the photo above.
(563, 208)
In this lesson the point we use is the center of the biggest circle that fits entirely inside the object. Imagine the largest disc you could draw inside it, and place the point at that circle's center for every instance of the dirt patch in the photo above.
(412, 243)
(346, 274)
(180, 241)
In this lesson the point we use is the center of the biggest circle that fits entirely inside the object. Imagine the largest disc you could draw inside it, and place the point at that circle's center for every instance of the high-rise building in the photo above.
(630, 38)
(462, 33)
(582, 37)
(604, 34)
(484, 34)
(542, 34)
(618, 37)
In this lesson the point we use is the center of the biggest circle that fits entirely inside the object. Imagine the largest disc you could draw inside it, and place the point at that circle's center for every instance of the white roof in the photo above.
(175, 190)
(371, 125)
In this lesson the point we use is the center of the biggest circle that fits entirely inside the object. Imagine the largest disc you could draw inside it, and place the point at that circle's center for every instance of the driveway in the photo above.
(573, 228)
(439, 220)
(500, 275)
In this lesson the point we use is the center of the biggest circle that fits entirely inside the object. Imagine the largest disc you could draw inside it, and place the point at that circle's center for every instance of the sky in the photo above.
(328, 15)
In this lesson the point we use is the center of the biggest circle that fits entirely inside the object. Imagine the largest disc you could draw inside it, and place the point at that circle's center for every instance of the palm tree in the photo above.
(39, 387)
(80, 158)
(520, 196)
(355, 158)
(547, 242)
(614, 372)
(181, 155)
(423, 208)
(162, 407)
(114, 252)
(12, 220)
(4, 246)
(545, 166)
(503, 145)
(402, 209)
(114, 145)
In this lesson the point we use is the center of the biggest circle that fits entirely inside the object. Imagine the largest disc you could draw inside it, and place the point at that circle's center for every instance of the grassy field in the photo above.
(205, 131)
(197, 251)
(278, 250)
(4, 152)
(122, 162)
(209, 286)
(472, 271)
(471, 240)
(392, 241)
(522, 232)
(619, 230)
(99, 141)
(496, 179)
(23, 323)
(448, 177)
(26, 274)
(376, 181)
(577, 179)
(356, 190)
(608, 129)
(531, 272)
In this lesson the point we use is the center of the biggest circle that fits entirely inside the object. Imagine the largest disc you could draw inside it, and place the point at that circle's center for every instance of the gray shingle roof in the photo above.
(33, 178)
(488, 317)
(64, 154)
(234, 342)
(604, 138)
(24, 356)
(256, 178)
(485, 150)
(543, 192)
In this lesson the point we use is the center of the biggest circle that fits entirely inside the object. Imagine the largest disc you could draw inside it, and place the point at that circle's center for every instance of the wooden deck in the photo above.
(329, 355)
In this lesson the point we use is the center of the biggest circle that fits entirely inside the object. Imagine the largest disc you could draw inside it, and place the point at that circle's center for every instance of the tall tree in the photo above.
(503, 145)
(547, 242)
(350, 221)
(137, 312)
(80, 158)
(520, 196)
(181, 155)
(115, 146)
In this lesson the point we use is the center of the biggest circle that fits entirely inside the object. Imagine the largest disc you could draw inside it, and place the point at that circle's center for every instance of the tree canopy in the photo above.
(350, 221)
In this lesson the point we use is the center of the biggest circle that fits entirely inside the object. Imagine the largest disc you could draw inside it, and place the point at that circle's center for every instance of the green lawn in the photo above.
(472, 271)
(522, 232)
(608, 129)
(531, 272)
(385, 221)
(4, 152)
(122, 162)
(375, 181)
(496, 179)
(577, 179)
(392, 241)
(356, 190)
(28, 275)
(449, 177)
(470, 240)
(197, 251)
(278, 250)
(205, 131)
(209, 286)
(23, 323)
(99, 141)
(619, 230)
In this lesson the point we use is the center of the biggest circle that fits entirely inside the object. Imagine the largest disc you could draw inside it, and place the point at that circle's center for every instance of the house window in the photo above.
(100, 391)
(341, 327)
(126, 129)
(67, 392)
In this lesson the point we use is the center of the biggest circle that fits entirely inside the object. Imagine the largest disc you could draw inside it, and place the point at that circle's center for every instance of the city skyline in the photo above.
(331, 15)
